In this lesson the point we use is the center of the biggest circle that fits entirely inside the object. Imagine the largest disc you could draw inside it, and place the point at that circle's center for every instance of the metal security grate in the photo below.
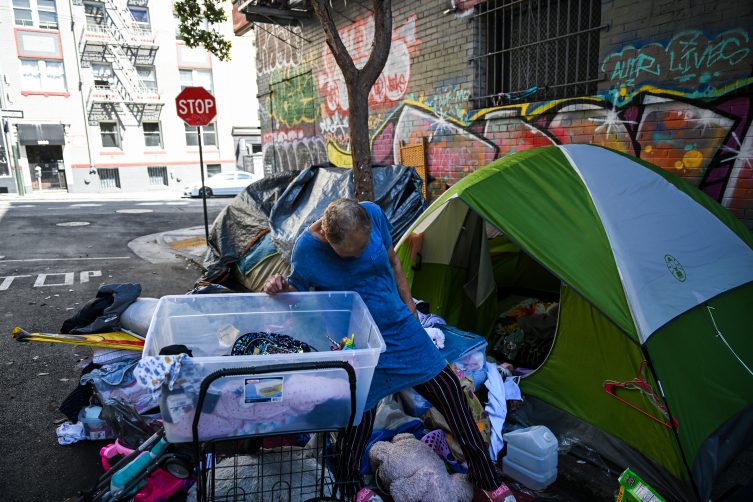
(157, 175)
(109, 177)
(534, 50)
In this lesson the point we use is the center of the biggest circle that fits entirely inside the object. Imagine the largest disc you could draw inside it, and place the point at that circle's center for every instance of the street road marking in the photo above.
(68, 279)
(150, 204)
(134, 211)
(8, 280)
(85, 205)
(24, 205)
(86, 274)
(69, 259)
(73, 224)
(177, 203)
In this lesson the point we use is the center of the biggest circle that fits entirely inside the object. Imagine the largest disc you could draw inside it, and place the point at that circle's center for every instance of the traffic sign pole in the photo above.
(197, 107)
(203, 186)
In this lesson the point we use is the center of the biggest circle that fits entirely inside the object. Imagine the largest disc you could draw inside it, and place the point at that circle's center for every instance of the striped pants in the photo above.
(444, 393)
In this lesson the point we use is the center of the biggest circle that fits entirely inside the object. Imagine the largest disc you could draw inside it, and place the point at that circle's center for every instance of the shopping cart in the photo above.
(238, 469)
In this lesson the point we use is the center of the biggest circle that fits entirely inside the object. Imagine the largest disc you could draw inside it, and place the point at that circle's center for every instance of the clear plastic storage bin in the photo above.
(272, 402)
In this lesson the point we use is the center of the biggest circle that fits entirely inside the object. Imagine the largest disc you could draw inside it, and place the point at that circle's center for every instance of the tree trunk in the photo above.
(360, 147)
(359, 83)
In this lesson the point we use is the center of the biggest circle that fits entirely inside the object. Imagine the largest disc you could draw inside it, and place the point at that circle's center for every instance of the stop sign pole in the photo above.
(197, 107)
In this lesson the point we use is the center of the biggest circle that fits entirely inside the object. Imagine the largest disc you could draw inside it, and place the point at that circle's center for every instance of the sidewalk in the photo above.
(163, 247)
(61, 195)
(187, 242)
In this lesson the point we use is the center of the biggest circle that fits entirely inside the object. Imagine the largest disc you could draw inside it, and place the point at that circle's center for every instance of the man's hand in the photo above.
(275, 284)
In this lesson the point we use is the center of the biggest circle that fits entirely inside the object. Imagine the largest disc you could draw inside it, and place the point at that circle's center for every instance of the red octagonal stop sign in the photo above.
(196, 106)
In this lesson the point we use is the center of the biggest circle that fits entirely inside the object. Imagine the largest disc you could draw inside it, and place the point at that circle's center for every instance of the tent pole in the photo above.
(650, 365)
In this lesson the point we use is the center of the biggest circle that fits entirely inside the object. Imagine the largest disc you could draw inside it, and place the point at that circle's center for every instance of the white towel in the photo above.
(496, 408)
(69, 433)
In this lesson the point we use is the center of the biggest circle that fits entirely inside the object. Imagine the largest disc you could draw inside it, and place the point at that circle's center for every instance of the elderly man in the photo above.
(350, 249)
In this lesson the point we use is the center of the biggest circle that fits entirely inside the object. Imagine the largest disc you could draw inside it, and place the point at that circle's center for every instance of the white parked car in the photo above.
(227, 183)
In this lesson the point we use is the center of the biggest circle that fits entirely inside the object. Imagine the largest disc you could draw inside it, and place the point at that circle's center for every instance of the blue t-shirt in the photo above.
(411, 357)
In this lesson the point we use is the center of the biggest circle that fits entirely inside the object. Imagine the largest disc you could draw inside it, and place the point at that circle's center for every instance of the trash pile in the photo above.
(140, 389)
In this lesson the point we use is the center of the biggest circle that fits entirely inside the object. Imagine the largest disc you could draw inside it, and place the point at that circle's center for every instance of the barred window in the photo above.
(534, 50)
(109, 177)
(157, 175)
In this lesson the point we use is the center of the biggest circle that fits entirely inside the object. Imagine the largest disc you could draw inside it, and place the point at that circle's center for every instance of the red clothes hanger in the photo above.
(640, 384)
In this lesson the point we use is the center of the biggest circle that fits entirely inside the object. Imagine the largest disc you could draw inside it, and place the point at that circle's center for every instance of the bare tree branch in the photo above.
(380, 49)
(335, 43)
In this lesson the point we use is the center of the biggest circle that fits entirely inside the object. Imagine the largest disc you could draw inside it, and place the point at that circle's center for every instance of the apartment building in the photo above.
(88, 93)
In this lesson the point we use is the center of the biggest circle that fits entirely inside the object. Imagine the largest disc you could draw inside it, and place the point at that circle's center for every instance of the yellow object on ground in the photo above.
(114, 339)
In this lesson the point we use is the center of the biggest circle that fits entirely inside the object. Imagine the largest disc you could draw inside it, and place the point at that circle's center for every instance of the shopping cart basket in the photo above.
(237, 469)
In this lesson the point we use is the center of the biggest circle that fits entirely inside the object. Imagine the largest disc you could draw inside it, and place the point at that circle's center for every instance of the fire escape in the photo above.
(114, 43)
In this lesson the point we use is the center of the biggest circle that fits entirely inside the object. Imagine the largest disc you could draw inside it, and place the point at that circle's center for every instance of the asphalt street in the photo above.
(53, 257)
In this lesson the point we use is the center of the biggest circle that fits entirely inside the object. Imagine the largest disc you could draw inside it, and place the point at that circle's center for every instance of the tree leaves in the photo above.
(196, 18)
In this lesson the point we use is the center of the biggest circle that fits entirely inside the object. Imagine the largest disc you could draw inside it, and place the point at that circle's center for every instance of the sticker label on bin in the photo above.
(263, 390)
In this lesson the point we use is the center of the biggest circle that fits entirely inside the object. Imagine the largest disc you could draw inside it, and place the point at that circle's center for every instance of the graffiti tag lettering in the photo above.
(691, 60)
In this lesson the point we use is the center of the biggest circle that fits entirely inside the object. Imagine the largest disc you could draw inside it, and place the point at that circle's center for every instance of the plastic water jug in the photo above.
(531, 456)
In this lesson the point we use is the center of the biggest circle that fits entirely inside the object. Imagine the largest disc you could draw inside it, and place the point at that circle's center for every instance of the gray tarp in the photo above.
(239, 223)
(397, 190)
(289, 202)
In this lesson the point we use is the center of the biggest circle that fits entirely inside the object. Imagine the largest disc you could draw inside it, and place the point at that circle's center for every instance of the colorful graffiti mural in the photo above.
(293, 100)
(692, 63)
(389, 88)
(684, 105)
(708, 143)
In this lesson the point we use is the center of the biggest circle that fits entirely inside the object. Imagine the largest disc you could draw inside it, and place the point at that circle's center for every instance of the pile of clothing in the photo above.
(523, 335)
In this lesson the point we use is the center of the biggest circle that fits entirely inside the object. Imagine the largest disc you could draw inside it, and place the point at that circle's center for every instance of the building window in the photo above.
(109, 177)
(42, 75)
(22, 12)
(103, 74)
(209, 136)
(203, 24)
(152, 134)
(95, 15)
(109, 134)
(148, 77)
(196, 78)
(536, 50)
(213, 169)
(48, 16)
(157, 176)
(39, 13)
(140, 17)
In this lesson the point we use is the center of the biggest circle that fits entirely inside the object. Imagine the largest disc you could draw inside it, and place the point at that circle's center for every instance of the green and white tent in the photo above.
(655, 284)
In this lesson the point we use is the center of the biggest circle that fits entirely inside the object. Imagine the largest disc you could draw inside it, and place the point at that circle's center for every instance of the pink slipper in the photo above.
(501, 494)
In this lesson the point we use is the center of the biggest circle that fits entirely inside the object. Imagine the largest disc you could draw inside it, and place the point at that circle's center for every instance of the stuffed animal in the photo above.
(412, 472)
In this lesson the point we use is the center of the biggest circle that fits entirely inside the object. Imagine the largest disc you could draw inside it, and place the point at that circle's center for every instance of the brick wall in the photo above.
(675, 89)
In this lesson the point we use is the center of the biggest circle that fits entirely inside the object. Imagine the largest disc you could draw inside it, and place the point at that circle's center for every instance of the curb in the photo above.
(193, 257)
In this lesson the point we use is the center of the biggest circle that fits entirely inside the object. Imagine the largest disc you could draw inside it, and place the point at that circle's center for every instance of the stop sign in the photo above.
(196, 106)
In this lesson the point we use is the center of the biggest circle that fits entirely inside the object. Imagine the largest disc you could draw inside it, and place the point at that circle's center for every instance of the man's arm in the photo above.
(277, 284)
(402, 282)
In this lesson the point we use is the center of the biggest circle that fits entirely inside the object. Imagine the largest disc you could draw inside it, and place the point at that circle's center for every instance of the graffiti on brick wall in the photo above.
(698, 65)
(293, 99)
(288, 144)
(707, 142)
(280, 47)
(389, 88)
(291, 150)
